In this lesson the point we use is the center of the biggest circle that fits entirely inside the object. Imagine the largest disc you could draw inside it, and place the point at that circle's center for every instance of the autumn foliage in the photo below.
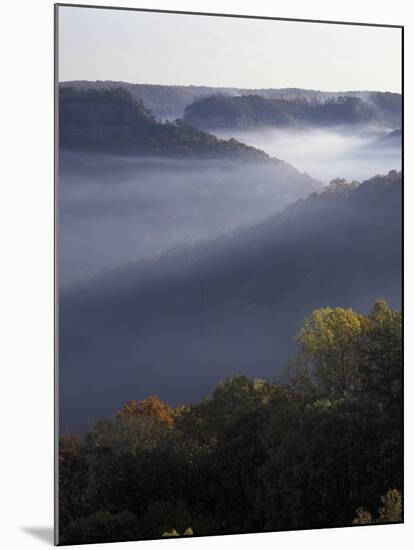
(320, 447)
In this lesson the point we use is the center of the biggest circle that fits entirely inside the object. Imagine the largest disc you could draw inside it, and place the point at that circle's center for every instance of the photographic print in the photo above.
(228, 274)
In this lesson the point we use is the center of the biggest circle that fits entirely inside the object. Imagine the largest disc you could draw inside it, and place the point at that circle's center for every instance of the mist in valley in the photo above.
(175, 273)
(352, 152)
(113, 210)
(228, 275)
(174, 324)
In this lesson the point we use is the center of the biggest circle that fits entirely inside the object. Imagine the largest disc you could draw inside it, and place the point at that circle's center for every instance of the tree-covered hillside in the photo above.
(253, 111)
(323, 448)
(170, 101)
(231, 305)
(111, 121)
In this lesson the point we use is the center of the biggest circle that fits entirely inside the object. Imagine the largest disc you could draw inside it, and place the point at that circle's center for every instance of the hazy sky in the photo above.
(154, 48)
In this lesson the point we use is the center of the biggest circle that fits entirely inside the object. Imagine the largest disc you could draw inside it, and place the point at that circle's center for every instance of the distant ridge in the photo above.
(113, 121)
(170, 101)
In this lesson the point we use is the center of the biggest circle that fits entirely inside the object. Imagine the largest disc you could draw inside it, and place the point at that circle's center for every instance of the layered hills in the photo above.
(174, 324)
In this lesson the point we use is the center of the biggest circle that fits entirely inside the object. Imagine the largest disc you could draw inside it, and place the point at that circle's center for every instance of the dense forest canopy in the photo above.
(171, 101)
(111, 121)
(252, 111)
(321, 449)
(238, 299)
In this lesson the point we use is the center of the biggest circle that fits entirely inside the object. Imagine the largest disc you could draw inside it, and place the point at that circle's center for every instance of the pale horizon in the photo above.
(166, 49)
(173, 85)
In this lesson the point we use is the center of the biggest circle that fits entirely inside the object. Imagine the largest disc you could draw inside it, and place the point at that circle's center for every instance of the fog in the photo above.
(326, 153)
(142, 314)
(113, 210)
(177, 324)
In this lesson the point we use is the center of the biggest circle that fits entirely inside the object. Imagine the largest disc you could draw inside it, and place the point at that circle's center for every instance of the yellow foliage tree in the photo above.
(329, 341)
(152, 407)
(155, 408)
(129, 410)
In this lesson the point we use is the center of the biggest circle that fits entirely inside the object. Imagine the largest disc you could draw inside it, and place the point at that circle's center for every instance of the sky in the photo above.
(154, 48)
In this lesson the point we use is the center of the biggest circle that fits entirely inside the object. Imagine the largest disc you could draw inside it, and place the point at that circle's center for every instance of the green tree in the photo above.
(329, 348)
(381, 354)
(315, 451)
(390, 510)
(362, 517)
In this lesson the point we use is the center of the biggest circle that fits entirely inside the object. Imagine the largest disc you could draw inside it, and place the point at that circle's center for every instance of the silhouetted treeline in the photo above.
(322, 449)
(111, 121)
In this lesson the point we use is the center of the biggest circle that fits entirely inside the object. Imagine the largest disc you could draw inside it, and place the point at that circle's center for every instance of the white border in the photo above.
(26, 203)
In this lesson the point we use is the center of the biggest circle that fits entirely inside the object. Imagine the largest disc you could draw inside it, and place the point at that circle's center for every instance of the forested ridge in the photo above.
(253, 111)
(230, 304)
(319, 447)
(170, 101)
(112, 121)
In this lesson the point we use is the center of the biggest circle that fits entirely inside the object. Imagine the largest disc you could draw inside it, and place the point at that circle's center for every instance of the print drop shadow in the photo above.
(44, 534)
